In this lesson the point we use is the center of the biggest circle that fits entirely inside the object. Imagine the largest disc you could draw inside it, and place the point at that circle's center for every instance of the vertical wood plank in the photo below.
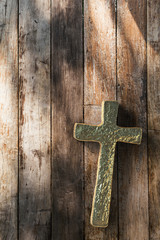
(153, 57)
(8, 119)
(67, 99)
(132, 160)
(34, 131)
(99, 85)
(100, 51)
(154, 180)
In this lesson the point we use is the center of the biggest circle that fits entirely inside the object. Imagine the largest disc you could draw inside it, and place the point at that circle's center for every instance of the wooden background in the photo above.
(58, 60)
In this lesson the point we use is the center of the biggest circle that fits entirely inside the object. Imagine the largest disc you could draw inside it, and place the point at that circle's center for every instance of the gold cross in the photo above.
(107, 134)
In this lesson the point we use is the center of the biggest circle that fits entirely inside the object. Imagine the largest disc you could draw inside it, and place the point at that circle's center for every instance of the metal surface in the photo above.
(107, 134)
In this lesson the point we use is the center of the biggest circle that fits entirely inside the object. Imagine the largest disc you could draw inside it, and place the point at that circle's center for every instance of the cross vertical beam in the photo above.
(103, 186)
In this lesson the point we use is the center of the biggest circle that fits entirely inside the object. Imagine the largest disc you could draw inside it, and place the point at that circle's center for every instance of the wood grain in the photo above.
(56, 188)
(131, 79)
(153, 67)
(8, 119)
(100, 51)
(153, 64)
(34, 114)
(154, 182)
(67, 108)
(99, 85)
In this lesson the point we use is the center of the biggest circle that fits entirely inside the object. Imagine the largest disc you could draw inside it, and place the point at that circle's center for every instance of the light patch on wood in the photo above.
(34, 114)
(100, 50)
(8, 119)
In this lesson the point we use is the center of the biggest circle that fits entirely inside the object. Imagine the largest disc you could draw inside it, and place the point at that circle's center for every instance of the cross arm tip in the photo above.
(78, 131)
(74, 131)
(140, 136)
(130, 135)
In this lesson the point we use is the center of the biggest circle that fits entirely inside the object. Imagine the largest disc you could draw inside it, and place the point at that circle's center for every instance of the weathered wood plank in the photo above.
(153, 60)
(99, 85)
(131, 78)
(34, 126)
(153, 67)
(154, 180)
(8, 119)
(67, 99)
(100, 51)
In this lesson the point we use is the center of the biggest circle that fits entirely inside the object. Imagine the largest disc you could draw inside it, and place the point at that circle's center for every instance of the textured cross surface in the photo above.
(107, 134)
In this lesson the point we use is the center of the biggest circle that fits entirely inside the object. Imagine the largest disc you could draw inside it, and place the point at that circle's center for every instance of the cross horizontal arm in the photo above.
(129, 135)
(85, 132)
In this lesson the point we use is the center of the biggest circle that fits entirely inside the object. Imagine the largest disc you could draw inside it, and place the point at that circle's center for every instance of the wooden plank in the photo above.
(153, 67)
(67, 98)
(132, 159)
(154, 179)
(8, 119)
(100, 51)
(99, 85)
(34, 131)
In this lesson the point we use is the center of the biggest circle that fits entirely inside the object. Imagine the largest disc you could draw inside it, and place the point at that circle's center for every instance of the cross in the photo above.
(107, 134)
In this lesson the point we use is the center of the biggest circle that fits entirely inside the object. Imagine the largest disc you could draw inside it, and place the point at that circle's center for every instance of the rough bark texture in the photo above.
(34, 125)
